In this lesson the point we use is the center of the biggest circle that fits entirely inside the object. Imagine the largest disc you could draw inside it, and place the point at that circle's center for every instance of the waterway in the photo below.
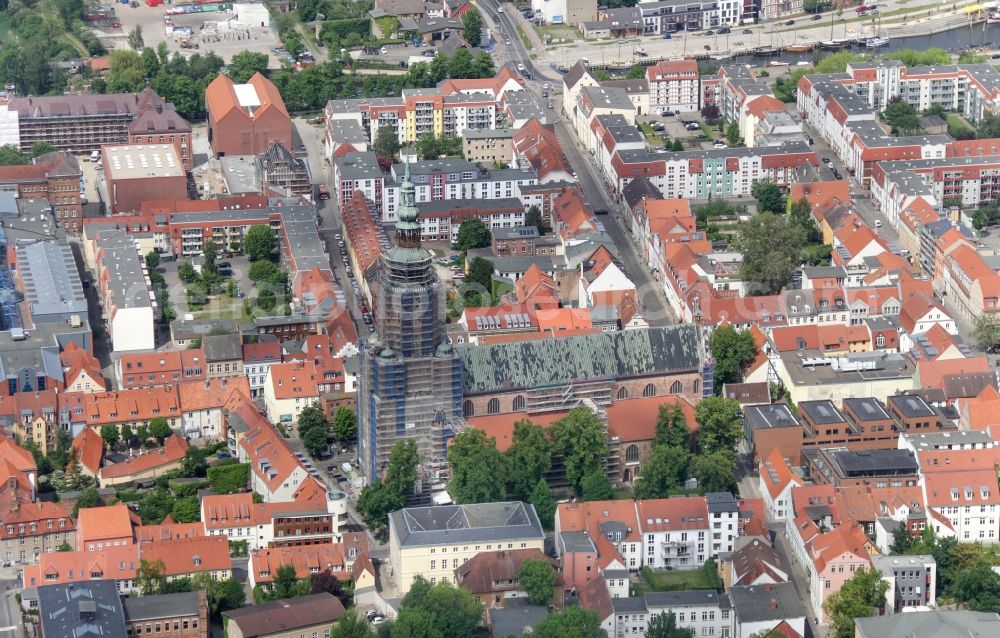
(955, 41)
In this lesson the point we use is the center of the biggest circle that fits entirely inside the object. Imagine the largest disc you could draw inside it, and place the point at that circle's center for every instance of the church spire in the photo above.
(407, 226)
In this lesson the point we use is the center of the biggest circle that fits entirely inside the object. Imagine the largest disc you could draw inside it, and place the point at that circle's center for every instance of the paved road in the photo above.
(10, 616)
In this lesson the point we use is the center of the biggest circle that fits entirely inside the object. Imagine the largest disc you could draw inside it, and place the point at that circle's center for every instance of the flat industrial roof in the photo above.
(134, 161)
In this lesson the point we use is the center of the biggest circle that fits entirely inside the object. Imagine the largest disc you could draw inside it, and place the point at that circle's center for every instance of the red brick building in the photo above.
(244, 119)
(136, 173)
(53, 176)
(158, 125)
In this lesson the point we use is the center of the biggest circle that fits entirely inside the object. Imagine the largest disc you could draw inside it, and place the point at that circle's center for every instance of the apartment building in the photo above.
(912, 581)
(129, 305)
(450, 109)
(488, 146)
(674, 85)
(55, 177)
(244, 119)
(32, 529)
(147, 369)
(672, 16)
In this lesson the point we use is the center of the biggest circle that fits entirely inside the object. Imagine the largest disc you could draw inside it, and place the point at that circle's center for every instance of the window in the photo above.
(468, 408)
(493, 407)
(649, 390)
(676, 387)
(623, 393)
(632, 454)
(519, 403)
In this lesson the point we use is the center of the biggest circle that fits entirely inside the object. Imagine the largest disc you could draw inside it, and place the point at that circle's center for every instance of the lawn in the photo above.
(558, 33)
(958, 125)
(524, 38)
(652, 137)
(679, 580)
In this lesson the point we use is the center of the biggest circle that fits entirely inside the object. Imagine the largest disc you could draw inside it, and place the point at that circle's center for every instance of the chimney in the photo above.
(774, 603)
(159, 108)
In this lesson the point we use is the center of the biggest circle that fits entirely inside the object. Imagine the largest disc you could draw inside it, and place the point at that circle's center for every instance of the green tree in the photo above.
(229, 479)
(351, 625)
(716, 472)
(186, 272)
(454, 611)
(111, 435)
(11, 156)
(537, 578)
(142, 432)
(733, 136)
(573, 622)
(595, 486)
(989, 127)
(901, 116)
(977, 588)
(859, 597)
(663, 474)
(545, 505)
(472, 233)
(152, 260)
(194, 465)
(475, 466)
(664, 625)
(209, 253)
(135, 38)
(345, 424)
(186, 510)
(636, 72)
(376, 501)
(64, 547)
(902, 539)
(159, 429)
(259, 242)
(768, 195)
(403, 462)
(534, 218)
(986, 331)
(581, 440)
(529, 457)
(671, 426)
(285, 583)
(472, 29)
(720, 424)
(770, 248)
(266, 299)
(262, 271)
(733, 350)
(480, 275)
(150, 577)
(313, 426)
(386, 142)
(88, 498)
(222, 595)
(41, 148)
(245, 64)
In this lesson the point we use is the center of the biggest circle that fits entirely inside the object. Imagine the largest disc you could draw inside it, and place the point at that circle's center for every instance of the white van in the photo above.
(95, 155)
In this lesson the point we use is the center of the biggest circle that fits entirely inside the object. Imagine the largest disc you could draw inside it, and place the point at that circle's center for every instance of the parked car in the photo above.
(667, 36)
(725, 30)
(747, 31)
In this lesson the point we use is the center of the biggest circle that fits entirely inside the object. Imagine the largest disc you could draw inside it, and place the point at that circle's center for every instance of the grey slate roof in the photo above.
(754, 604)
(482, 522)
(126, 281)
(577, 542)
(690, 598)
(931, 624)
(516, 618)
(161, 606)
(549, 362)
(52, 284)
(222, 347)
(637, 189)
(90, 609)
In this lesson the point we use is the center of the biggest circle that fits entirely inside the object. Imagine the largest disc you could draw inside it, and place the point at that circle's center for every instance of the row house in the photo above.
(594, 101)
(676, 533)
(712, 173)
(960, 490)
(292, 386)
(612, 133)
(148, 369)
(29, 530)
(257, 359)
(737, 87)
(338, 559)
(124, 290)
(536, 147)
(276, 473)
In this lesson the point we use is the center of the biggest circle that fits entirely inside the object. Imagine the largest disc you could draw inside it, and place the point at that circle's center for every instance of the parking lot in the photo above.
(224, 44)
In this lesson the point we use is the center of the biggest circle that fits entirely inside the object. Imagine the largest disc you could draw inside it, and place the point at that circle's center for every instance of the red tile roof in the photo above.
(55, 568)
(173, 450)
(501, 426)
(306, 559)
(101, 524)
(190, 555)
(89, 448)
(776, 474)
(75, 361)
(635, 419)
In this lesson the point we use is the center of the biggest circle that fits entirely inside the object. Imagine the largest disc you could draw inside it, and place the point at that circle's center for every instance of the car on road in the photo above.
(827, 161)
(601, 211)
(878, 223)
(747, 31)
(667, 36)
(667, 114)
(508, 42)
(790, 23)
(520, 67)
(725, 30)
(709, 32)
(324, 192)
(816, 17)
